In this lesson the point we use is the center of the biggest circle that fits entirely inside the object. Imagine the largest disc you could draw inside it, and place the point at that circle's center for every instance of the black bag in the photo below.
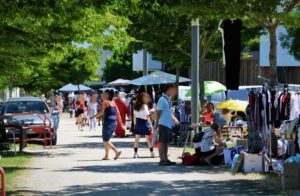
(198, 137)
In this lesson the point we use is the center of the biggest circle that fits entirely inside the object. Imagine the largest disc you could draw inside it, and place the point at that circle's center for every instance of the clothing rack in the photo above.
(265, 121)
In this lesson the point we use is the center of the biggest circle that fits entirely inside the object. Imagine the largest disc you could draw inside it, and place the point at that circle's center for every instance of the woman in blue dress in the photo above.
(110, 114)
(142, 122)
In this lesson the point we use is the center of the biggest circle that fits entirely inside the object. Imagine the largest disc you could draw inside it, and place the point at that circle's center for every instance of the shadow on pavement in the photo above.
(144, 168)
(179, 187)
(98, 145)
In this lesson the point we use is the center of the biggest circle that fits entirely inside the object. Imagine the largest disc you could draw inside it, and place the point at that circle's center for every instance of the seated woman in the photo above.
(207, 149)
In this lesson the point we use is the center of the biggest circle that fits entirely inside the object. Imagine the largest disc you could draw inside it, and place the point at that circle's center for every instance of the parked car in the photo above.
(32, 112)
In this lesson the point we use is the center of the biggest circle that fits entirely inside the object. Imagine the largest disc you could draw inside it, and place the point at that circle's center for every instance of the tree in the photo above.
(119, 65)
(291, 40)
(268, 14)
(163, 28)
(36, 33)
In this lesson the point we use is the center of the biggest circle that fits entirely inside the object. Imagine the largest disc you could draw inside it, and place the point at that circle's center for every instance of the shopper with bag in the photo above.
(142, 122)
(164, 122)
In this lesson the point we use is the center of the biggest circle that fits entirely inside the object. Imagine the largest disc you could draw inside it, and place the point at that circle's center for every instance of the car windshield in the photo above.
(25, 107)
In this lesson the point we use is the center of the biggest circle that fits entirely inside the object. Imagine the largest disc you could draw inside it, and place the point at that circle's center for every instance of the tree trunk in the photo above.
(273, 55)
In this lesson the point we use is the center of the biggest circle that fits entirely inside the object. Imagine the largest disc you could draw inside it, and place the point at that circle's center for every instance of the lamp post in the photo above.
(195, 72)
(145, 62)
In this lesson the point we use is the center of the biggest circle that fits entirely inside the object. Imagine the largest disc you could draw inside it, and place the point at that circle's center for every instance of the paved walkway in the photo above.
(74, 167)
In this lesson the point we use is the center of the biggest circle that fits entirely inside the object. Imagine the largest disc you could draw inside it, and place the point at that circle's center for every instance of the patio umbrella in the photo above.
(210, 87)
(235, 105)
(72, 88)
(157, 77)
(119, 82)
(68, 88)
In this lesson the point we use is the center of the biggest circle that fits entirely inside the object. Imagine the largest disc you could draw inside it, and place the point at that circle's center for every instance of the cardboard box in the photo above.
(291, 176)
(254, 163)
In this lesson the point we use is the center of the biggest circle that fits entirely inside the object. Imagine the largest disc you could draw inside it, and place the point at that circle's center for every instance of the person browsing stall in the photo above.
(164, 122)
(210, 144)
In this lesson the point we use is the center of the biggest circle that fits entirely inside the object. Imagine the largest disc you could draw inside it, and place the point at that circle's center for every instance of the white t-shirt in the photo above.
(207, 142)
(143, 113)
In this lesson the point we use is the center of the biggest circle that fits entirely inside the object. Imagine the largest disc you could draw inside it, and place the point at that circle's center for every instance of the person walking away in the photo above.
(92, 111)
(164, 122)
(111, 115)
(142, 122)
(123, 107)
(79, 106)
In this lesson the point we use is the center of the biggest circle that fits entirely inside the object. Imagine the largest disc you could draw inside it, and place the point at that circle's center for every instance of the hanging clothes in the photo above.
(294, 105)
(231, 33)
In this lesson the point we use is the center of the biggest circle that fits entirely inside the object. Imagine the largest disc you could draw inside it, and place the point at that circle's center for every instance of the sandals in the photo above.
(105, 159)
(118, 154)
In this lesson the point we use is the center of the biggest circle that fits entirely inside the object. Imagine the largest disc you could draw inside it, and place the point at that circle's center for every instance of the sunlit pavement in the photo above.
(74, 167)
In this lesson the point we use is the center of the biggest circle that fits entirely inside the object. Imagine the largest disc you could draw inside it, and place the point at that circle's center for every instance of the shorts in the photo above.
(108, 129)
(201, 154)
(142, 127)
(79, 112)
(164, 134)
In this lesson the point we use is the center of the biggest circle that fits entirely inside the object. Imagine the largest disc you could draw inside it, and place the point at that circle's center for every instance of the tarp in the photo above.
(157, 77)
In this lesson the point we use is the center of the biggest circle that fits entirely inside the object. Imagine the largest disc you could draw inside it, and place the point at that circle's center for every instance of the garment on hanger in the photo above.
(294, 105)
(231, 33)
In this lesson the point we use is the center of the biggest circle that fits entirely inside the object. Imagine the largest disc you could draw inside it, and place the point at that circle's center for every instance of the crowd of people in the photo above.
(112, 109)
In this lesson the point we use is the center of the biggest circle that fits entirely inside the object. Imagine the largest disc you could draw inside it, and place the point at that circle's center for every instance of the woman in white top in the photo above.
(207, 146)
(142, 122)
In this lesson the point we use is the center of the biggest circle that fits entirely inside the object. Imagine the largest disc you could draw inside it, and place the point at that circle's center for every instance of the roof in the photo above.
(24, 99)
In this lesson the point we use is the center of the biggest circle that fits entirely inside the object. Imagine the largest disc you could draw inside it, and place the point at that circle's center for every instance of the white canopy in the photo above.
(157, 77)
(119, 82)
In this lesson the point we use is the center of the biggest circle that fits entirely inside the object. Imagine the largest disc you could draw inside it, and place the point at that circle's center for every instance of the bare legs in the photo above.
(79, 122)
(108, 145)
(136, 145)
(217, 152)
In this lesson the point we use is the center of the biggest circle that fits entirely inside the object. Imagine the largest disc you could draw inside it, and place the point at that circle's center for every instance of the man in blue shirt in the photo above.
(164, 122)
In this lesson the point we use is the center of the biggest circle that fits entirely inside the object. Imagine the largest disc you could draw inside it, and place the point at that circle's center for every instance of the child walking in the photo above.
(142, 122)
(92, 111)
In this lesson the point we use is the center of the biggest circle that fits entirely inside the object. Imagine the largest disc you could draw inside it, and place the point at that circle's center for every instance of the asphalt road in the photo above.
(74, 167)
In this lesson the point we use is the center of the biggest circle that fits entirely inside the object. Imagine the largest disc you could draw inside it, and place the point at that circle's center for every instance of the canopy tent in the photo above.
(72, 88)
(210, 88)
(236, 105)
(119, 82)
(104, 89)
(157, 77)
